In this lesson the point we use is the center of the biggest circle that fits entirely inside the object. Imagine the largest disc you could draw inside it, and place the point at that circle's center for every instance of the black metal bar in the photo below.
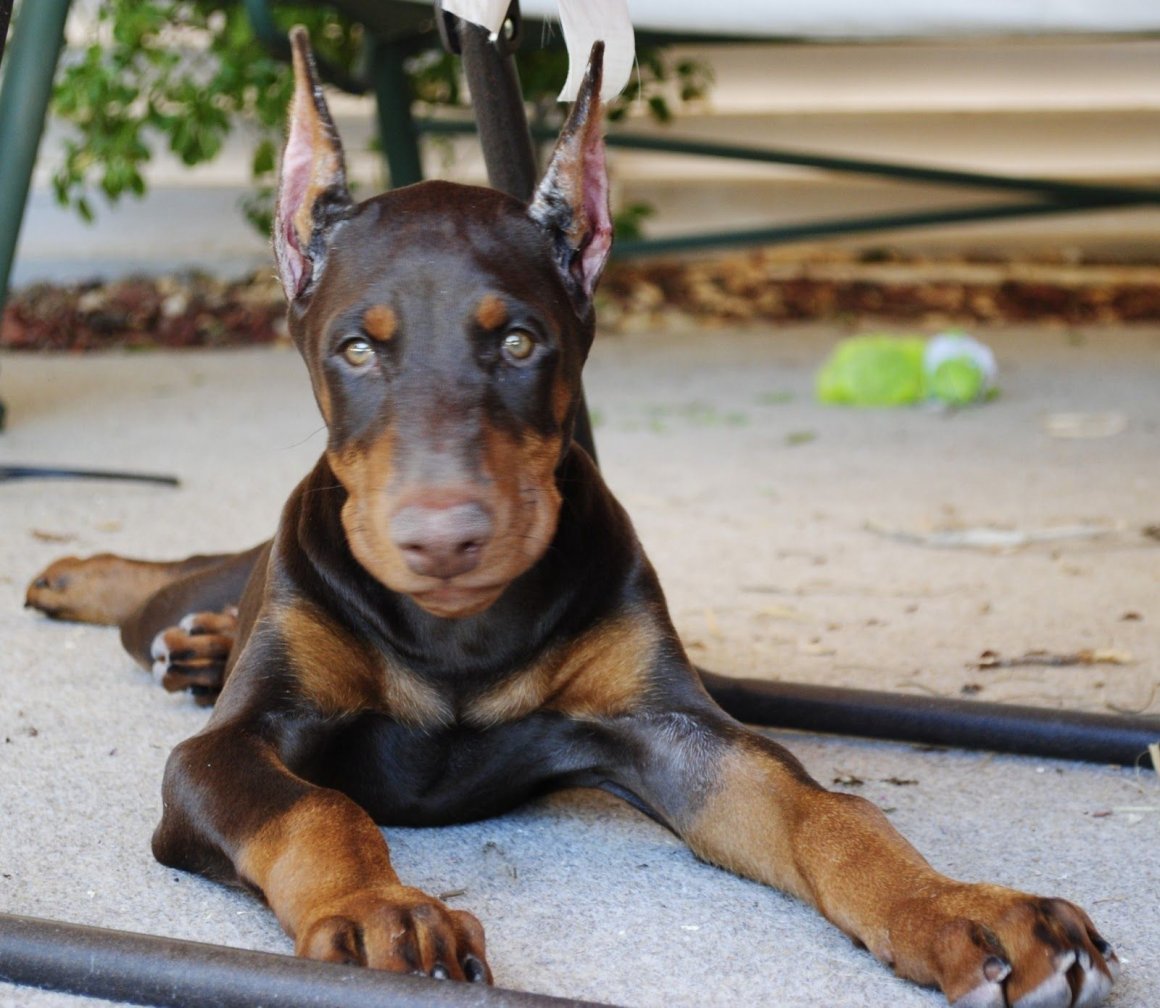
(970, 724)
(151, 970)
(500, 115)
(17, 472)
(506, 140)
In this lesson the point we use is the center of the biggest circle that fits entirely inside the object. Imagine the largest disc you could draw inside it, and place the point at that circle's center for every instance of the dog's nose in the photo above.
(442, 542)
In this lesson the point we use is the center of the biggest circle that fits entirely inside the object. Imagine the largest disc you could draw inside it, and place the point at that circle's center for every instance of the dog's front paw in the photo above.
(192, 655)
(991, 947)
(398, 929)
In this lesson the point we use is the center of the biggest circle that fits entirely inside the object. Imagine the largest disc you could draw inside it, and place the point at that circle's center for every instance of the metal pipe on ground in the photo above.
(150, 970)
(900, 717)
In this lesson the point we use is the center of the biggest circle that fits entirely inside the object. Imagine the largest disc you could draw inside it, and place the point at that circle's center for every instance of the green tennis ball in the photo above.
(957, 381)
(873, 371)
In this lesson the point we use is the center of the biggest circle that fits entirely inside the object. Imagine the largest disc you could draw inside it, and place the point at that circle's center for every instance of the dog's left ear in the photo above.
(571, 202)
(312, 193)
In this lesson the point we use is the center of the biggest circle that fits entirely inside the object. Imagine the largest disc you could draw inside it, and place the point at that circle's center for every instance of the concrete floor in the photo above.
(784, 534)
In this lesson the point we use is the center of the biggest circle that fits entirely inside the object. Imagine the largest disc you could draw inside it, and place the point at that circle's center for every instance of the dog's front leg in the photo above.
(743, 802)
(234, 811)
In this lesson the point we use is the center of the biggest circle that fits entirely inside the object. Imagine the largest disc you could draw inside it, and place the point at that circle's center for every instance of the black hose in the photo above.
(15, 472)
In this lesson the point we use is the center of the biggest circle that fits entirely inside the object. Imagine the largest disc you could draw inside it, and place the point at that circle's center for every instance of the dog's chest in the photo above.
(409, 776)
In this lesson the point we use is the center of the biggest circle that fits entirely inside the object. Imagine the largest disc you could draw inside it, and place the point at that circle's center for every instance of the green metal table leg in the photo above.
(397, 131)
(24, 93)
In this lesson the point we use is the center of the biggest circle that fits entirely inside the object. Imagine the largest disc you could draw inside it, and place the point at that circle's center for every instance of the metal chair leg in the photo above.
(504, 135)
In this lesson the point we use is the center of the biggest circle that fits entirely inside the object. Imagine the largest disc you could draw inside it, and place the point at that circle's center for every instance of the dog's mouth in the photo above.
(454, 556)
(451, 601)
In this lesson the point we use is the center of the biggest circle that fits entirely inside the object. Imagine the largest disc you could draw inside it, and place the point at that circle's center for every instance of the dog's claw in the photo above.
(996, 969)
(1054, 992)
(1111, 960)
(1093, 985)
(986, 995)
(474, 970)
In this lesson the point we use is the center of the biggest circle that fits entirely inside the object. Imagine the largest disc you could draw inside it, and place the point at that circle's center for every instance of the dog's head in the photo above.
(445, 328)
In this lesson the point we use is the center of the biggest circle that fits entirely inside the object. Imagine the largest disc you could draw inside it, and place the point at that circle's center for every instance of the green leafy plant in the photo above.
(185, 73)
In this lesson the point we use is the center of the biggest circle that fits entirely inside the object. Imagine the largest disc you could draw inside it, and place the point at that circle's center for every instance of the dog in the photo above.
(455, 614)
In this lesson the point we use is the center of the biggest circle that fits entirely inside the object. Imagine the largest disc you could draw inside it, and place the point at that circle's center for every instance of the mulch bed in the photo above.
(174, 312)
(886, 287)
(759, 286)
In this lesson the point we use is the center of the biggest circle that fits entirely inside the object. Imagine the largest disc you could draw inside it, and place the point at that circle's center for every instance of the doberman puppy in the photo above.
(455, 613)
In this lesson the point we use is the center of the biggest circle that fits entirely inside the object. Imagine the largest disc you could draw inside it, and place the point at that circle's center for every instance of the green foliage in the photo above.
(187, 72)
(653, 75)
(655, 80)
(628, 221)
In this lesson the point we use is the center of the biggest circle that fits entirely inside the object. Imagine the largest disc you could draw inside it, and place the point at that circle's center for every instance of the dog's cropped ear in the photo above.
(571, 202)
(312, 192)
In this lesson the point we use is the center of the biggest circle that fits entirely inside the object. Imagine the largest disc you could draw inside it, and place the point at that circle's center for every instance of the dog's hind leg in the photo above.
(177, 618)
(107, 589)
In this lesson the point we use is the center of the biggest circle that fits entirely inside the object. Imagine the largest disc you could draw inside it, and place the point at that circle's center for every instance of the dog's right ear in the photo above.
(312, 193)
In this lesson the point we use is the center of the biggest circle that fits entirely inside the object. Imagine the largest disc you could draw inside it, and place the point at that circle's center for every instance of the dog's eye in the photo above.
(357, 352)
(518, 345)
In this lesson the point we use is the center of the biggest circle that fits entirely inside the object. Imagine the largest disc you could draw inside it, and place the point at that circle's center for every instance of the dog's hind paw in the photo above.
(101, 589)
(192, 655)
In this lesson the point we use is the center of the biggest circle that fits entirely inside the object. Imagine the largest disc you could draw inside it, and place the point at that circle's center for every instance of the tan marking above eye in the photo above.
(491, 312)
(380, 322)
(358, 352)
(518, 344)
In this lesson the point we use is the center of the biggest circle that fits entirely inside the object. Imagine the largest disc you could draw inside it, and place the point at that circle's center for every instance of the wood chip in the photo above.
(1088, 656)
(777, 612)
(814, 647)
(991, 538)
(1085, 426)
(42, 535)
